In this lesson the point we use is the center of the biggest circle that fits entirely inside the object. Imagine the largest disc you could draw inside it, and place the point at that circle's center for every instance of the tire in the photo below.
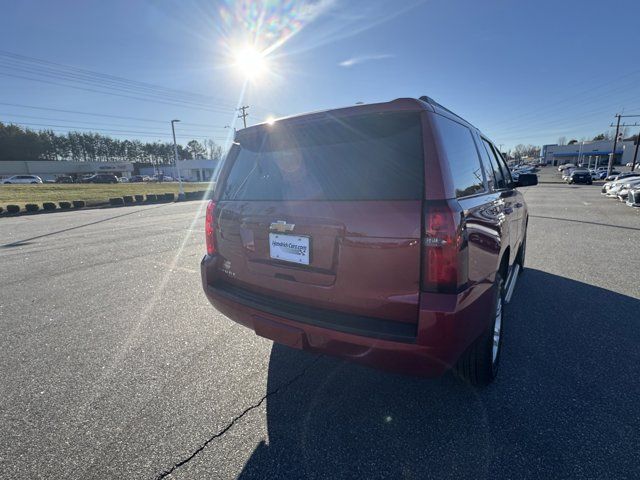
(479, 364)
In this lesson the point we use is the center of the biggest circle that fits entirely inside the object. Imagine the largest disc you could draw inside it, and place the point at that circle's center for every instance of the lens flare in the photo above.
(250, 62)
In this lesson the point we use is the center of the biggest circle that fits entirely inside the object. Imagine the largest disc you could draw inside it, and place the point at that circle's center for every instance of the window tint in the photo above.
(487, 164)
(461, 153)
(499, 181)
(503, 165)
(369, 157)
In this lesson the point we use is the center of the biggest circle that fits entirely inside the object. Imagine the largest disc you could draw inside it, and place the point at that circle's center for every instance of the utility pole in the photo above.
(615, 140)
(244, 114)
(615, 144)
(175, 161)
(580, 152)
(635, 153)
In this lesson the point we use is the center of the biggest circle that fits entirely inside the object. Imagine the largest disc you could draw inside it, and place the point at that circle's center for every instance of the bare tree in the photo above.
(213, 150)
(562, 140)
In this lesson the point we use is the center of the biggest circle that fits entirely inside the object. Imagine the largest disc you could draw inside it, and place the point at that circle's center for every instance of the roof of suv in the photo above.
(397, 105)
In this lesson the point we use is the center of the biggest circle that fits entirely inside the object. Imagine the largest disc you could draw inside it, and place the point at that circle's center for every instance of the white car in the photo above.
(16, 179)
(618, 185)
(623, 191)
(565, 166)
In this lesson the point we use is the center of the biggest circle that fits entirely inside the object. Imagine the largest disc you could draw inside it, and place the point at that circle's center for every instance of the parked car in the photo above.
(580, 176)
(623, 191)
(613, 176)
(594, 174)
(64, 179)
(137, 179)
(123, 179)
(565, 166)
(624, 175)
(101, 178)
(612, 188)
(608, 186)
(334, 232)
(18, 179)
(566, 174)
(633, 199)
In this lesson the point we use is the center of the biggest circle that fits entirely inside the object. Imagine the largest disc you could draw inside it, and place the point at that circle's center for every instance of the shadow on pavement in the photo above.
(585, 221)
(565, 404)
(20, 243)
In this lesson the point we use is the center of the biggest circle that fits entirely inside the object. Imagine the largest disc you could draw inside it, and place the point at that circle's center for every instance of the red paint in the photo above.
(367, 260)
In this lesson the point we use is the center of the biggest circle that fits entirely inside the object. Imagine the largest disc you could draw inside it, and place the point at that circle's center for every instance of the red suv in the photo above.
(389, 234)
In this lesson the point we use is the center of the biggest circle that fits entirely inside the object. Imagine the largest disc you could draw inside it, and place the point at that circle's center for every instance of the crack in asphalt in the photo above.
(204, 445)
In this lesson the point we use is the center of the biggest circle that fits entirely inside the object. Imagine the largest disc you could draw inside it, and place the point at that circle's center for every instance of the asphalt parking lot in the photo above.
(114, 365)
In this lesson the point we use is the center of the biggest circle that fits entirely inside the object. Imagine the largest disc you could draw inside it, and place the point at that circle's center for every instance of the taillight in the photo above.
(209, 227)
(444, 253)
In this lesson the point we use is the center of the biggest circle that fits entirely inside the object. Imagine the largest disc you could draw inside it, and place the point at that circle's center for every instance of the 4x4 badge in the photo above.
(281, 226)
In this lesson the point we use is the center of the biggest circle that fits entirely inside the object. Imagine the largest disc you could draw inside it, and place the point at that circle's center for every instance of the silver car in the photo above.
(21, 179)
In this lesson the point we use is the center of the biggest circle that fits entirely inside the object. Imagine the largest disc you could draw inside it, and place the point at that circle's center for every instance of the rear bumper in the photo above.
(447, 325)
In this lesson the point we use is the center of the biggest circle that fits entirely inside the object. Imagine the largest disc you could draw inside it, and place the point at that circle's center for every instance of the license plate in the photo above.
(290, 248)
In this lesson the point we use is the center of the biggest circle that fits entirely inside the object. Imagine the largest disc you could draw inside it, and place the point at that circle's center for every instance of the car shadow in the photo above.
(564, 405)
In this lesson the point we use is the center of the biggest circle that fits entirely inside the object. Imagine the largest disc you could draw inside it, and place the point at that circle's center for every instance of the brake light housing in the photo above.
(209, 227)
(444, 247)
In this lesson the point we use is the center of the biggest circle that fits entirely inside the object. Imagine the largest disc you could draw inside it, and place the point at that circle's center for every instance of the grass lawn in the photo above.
(93, 194)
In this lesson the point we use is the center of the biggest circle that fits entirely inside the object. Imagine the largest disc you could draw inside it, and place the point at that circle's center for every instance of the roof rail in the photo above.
(432, 102)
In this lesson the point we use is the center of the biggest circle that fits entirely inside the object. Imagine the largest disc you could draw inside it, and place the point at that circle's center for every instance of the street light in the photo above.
(175, 161)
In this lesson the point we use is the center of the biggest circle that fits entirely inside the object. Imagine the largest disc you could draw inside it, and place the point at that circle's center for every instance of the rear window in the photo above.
(460, 151)
(368, 157)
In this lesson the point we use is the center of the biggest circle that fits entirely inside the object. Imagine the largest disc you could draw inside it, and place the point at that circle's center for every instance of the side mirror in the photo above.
(527, 180)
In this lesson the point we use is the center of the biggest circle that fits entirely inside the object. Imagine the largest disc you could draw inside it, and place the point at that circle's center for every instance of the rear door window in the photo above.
(498, 175)
(462, 156)
(503, 165)
(367, 157)
(487, 163)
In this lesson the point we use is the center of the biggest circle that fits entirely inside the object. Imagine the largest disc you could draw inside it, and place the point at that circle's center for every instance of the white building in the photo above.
(593, 153)
(190, 170)
(50, 169)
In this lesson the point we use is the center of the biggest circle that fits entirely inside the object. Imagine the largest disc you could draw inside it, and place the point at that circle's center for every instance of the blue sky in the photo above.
(523, 72)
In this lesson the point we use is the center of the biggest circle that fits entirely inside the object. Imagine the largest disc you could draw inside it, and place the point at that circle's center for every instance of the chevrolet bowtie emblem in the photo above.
(281, 226)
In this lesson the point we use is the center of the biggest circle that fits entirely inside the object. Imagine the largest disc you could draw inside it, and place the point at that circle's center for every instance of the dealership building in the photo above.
(594, 153)
(50, 169)
(193, 170)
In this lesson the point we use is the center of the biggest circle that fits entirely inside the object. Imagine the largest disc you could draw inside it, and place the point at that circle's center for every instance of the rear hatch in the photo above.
(326, 213)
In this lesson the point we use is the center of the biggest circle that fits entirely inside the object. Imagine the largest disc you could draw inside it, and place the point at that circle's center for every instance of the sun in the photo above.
(251, 62)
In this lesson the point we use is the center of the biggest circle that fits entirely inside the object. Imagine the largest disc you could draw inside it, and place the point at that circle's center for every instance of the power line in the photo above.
(557, 105)
(53, 67)
(35, 117)
(44, 69)
(134, 97)
(105, 115)
(113, 131)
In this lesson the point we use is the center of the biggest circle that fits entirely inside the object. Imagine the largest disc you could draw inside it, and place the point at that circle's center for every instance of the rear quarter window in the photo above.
(367, 157)
(459, 148)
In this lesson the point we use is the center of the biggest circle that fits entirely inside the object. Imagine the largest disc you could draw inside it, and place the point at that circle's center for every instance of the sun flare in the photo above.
(251, 62)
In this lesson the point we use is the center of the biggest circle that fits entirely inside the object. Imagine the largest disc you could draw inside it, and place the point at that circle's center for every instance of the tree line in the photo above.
(521, 150)
(18, 143)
